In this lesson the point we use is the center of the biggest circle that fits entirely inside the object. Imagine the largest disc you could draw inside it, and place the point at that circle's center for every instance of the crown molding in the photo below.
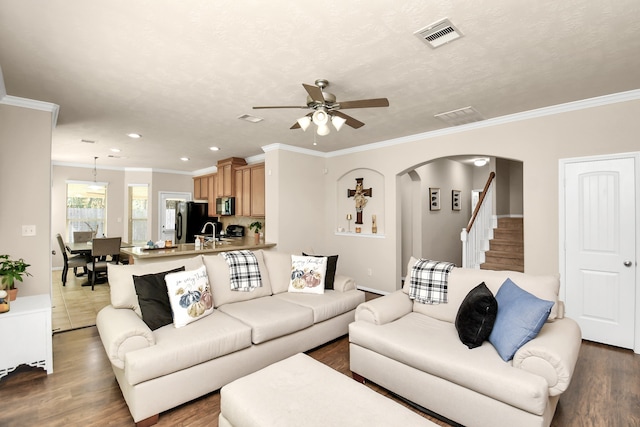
(32, 104)
(292, 148)
(632, 95)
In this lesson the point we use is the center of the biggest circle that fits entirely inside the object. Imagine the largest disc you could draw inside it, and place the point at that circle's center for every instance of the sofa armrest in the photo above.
(385, 309)
(552, 354)
(122, 331)
(343, 283)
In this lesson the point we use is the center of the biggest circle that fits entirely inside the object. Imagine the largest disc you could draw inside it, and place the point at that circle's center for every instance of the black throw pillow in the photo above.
(154, 299)
(476, 316)
(330, 275)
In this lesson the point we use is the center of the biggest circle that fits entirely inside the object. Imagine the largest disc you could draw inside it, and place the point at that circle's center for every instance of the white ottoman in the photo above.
(300, 391)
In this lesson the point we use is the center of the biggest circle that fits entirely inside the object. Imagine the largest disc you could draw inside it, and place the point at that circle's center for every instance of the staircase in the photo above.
(506, 249)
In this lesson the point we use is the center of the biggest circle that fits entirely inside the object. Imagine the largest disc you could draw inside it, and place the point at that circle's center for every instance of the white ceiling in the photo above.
(181, 72)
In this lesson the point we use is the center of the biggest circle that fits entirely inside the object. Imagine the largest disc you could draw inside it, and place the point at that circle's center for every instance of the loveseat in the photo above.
(415, 351)
(246, 331)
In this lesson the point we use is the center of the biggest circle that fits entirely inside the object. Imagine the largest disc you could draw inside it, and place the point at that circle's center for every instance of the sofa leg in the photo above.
(359, 378)
(148, 421)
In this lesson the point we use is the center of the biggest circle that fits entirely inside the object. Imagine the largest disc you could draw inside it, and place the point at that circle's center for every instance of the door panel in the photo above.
(600, 238)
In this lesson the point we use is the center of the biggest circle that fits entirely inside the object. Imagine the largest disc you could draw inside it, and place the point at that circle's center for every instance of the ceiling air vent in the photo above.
(439, 33)
(461, 116)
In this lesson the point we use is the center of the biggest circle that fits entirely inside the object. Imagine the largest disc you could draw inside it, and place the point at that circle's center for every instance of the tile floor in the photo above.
(75, 306)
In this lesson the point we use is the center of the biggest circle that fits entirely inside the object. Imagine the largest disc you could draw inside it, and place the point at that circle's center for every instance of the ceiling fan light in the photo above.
(337, 122)
(320, 118)
(304, 122)
(323, 130)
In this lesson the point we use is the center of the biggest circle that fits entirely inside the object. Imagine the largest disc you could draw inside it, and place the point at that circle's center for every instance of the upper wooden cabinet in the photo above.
(234, 179)
(249, 183)
(227, 175)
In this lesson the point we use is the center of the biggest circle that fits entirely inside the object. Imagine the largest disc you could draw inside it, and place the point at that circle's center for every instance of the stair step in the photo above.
(507, 234)
(501, 267)
(494, 254)
(509, 223)
(506, 246)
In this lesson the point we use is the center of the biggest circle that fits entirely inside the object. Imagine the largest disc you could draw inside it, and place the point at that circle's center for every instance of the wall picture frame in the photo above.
(434, 199)
(456, 200)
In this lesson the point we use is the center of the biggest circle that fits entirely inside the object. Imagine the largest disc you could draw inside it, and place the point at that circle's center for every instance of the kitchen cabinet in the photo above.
(227, 176)
(212, 193)
(197, 193)
(249, 183)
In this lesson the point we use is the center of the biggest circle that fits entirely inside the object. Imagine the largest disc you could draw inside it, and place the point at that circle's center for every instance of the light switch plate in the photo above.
(28, 230)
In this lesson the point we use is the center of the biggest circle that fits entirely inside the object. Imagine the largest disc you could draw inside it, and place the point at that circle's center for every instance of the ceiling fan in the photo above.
(326, 108)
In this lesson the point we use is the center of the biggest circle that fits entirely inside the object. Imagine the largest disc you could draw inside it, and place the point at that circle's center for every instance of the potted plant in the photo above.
(256, 226)
(10, 271)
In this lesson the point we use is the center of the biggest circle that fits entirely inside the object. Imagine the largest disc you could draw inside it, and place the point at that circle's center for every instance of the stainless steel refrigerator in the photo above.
(190, 218)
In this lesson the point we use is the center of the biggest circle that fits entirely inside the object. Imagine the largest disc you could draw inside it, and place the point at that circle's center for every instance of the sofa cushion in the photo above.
(154, 299)
(189, 295)
(332, 265)
(270, 317)
(307, 274)
(476, 316)
(328, 305)
(279, 267)
(180, 348)
(433, 346)
(462, 280)
(218, 271)
(121, 287)
(520, 318)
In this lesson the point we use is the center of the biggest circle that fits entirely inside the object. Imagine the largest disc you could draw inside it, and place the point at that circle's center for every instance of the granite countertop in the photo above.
(230, 244)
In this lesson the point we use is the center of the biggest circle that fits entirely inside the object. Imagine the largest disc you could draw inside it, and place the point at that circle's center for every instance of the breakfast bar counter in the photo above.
(141, 255)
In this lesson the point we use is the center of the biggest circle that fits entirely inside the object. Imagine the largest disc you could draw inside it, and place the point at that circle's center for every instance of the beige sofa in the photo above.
(158, 370)
(413, 350)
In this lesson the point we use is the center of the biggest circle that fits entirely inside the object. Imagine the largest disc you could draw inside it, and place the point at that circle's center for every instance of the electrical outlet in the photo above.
(28, 230)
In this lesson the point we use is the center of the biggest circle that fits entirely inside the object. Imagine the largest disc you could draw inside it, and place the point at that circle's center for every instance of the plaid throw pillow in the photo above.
(244, 272)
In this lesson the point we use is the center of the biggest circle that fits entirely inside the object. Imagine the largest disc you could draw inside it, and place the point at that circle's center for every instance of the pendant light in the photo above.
(95, 185)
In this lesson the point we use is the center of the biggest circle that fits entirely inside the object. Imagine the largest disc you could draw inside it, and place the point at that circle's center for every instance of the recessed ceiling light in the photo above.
(184, 159)
(115, 150)
(134, 135)
(480, 162)
(214, 148)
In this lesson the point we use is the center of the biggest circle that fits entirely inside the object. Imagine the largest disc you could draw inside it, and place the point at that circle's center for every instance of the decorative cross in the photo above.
(358, 195)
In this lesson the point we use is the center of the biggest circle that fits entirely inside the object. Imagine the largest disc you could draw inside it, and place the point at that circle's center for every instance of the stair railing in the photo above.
(475, 238)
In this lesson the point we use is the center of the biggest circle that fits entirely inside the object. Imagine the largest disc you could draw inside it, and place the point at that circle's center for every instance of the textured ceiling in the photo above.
(181, 72)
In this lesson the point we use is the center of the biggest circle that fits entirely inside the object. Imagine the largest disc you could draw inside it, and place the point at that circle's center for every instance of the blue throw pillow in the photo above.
(520, 317)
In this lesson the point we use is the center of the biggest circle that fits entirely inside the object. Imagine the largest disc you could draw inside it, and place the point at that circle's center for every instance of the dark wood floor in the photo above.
(82, 391)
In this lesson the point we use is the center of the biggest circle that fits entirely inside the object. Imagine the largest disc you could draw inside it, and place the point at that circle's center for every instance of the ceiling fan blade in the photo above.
(349, 120)
(281, 106)
(314, 92)
(365, 103)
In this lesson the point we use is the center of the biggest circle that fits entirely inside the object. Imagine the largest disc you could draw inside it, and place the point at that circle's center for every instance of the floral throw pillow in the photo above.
(307, 274)
(189, 295)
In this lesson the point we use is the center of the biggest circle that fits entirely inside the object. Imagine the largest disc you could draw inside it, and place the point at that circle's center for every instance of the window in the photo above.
(86, 208)
(138, 213)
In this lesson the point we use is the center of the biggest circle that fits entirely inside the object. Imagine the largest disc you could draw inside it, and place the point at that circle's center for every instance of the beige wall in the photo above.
(117, 197)
(25, 190)
(539, 142)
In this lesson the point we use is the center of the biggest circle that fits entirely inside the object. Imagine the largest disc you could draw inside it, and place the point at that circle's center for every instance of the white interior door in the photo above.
(167, 213)
(600, 254)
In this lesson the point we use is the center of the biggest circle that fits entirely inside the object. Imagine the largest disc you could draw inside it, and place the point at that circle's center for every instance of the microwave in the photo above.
(226, 206)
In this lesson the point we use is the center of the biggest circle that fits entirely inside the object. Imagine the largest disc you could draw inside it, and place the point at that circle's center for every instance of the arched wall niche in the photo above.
(371, 179)
(435, 234)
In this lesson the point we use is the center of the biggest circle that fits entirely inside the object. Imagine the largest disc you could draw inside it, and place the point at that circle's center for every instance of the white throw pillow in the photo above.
(307, 274)
(189, 295)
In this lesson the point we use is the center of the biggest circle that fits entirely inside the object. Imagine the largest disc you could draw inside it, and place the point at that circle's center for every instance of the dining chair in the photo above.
(82, 236)
(73, 262)
(101, 249)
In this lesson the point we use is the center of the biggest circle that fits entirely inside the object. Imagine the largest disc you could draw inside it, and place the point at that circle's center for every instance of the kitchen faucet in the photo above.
(213, 233)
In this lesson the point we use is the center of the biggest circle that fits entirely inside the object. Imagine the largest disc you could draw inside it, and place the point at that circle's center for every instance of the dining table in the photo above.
(84, 248)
